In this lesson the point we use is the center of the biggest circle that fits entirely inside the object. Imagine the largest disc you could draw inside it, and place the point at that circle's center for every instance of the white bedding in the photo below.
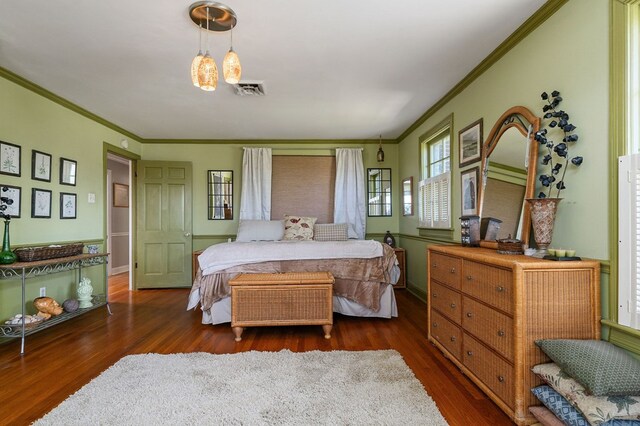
(226, 255)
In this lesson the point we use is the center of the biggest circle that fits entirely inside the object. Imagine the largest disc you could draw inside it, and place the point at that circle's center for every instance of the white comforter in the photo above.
(226, 255)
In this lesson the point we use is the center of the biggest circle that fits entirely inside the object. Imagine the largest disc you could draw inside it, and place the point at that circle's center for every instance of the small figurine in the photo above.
(84, 293)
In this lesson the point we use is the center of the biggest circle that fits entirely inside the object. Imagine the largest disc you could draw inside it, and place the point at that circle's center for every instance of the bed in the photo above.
(364, 272)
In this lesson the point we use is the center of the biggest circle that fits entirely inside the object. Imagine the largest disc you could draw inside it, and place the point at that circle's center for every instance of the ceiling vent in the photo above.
(250, 88)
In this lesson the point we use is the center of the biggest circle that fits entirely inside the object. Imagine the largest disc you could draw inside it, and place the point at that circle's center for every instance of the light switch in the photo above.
(91, 198)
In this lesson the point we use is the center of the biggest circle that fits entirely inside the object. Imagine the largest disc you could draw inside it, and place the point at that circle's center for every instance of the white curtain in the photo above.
(255, 200)
(350, 204)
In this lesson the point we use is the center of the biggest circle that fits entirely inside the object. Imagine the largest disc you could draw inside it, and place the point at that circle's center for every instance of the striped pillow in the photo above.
(330, 232)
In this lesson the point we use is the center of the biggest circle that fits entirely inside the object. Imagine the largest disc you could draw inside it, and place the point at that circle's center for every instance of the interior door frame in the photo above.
(133, 158)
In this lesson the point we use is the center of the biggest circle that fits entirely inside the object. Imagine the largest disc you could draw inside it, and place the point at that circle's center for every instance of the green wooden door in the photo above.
(164, 224)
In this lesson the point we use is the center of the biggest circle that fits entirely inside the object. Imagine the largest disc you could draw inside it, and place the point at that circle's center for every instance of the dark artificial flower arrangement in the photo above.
(559, 120)
(4, 203)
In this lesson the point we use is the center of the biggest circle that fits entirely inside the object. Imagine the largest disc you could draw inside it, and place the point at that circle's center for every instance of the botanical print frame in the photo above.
(68, 205)
(40, 166)
(10, 156)
(40, 203)
(469, 191)
(120, 195)
(68, 171)
(13, 193)
(470, 143)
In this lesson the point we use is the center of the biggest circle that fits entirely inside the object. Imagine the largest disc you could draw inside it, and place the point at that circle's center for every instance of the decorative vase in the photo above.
(7, 257)
(84, 293)
(543, 216)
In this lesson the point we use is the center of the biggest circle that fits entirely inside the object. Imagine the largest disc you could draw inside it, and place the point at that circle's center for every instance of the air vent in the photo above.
(250, 88)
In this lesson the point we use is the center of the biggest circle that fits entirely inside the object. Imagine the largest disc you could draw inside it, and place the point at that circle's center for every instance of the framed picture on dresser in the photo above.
(470, 191)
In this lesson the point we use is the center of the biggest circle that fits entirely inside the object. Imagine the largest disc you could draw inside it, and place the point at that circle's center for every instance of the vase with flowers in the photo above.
(7, 257)
(556, 160)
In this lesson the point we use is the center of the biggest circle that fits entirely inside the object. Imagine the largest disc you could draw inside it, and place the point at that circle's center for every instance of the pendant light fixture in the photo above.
(195, 64)
(380, 154)
(215, 17)
(208, 70)
(231, 68)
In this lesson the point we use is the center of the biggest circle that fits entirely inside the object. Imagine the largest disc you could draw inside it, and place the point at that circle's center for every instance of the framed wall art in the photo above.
(10, 155)
(14, 193)
(68, 171)
(40, 203)
(470, 191)
(470, 143)
(40, 166)
(68, 207)
(120, 195)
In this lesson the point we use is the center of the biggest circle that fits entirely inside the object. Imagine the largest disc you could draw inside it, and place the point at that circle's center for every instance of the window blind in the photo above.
(434, 197)
(629, 240)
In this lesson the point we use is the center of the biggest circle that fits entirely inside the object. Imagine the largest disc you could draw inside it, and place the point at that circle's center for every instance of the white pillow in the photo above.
(260, 230)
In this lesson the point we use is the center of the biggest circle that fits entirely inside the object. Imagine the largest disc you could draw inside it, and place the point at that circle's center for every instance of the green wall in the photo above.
(568, 52)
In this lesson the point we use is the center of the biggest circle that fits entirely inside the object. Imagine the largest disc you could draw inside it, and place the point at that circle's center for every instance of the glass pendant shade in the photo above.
(208, 73)
(195, 64)
(231, 68)
(380, 155)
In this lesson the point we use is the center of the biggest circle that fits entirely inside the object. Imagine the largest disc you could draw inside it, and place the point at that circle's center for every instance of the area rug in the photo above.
(252, 388)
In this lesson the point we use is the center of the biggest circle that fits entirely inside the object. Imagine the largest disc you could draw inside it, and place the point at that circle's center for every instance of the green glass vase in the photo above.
(7, 257)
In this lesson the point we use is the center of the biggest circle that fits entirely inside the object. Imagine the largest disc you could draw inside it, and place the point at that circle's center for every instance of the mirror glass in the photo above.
(220, 194)
(509, 172)
(379, 192)
(407, 196)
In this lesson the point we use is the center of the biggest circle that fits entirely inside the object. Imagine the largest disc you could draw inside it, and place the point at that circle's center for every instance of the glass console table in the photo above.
(26, 270)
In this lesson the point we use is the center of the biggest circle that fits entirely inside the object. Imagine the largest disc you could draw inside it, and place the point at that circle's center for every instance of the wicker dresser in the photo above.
(487, 309)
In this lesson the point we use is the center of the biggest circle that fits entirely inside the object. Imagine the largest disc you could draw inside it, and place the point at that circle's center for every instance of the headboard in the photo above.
(303, 186)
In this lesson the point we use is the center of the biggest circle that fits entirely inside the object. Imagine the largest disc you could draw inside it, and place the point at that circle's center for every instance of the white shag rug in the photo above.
(252, 388)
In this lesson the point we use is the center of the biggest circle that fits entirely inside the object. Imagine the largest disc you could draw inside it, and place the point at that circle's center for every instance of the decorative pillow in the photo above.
(544, 416)
(559, 406)
(298, 228)
(599, 366)
(260, 230)
(596, 409)
(330, 232)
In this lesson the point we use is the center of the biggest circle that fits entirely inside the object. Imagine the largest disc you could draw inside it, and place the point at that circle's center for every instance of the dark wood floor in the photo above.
(61, 359)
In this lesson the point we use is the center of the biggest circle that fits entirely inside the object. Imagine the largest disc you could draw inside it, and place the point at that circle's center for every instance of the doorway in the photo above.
(119, 215)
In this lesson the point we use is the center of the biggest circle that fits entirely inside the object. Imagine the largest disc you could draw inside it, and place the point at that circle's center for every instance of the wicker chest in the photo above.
(290, 298)
(486, 310)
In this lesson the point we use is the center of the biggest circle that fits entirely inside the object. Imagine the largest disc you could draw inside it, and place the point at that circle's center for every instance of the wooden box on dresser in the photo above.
(486, 310)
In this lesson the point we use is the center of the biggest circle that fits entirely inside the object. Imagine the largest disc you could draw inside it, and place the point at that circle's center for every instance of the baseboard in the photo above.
(119, 270)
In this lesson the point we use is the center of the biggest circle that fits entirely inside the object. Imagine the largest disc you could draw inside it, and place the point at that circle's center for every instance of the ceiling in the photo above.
(332, 69)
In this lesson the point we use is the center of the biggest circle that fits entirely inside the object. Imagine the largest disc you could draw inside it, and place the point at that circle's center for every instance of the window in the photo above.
(379, 192)
(434, 188)
(627, 94)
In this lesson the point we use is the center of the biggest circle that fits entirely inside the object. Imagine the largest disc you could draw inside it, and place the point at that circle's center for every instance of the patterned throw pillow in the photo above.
(330, 232)
(559, 406)
(544, 416)
(598, 410)
(599, 366)
(298, 228)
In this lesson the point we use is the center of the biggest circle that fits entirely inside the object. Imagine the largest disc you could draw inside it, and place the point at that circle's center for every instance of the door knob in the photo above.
(187, 234)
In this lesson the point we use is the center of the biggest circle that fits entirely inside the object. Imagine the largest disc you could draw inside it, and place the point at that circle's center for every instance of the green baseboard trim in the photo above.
(214, 237)
(625, 337)
(420, 294)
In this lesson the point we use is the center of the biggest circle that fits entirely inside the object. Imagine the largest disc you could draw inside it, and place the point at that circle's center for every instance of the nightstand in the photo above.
(402, 263)
(195, 264)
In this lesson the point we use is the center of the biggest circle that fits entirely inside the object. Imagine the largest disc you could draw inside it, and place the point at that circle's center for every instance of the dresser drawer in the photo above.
(447, 333)
(493, 328)
(447, 301)
(445, 269)
(492, 370)
(493, 286)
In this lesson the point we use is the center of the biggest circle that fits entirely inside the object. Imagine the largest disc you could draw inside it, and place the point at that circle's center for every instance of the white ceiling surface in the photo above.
(332, 69)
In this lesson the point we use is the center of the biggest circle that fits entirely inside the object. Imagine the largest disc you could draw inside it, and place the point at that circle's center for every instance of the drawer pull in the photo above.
(453, 338)
(500, 379)
(453, 306)
(500, 333)
(434, 266)
(453, 270)
(469, 315)
(499, 289)
(434, 325)
(469, 278)
(435, 295)
(469, 353)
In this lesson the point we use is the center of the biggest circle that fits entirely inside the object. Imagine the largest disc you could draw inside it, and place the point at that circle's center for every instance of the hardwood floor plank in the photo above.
(61, 359)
